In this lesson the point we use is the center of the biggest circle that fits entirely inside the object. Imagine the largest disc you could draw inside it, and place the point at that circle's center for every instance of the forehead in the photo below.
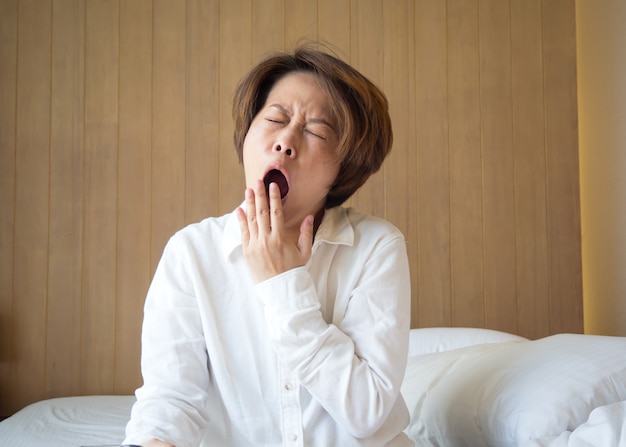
(297, 89)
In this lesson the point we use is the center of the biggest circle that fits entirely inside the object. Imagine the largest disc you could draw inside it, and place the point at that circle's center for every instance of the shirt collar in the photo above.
(334, 229)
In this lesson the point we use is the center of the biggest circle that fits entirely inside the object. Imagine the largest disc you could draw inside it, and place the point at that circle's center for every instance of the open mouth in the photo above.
(275, 176)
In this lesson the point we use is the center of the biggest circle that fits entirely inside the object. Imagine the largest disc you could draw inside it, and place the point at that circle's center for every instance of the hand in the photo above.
(266, 246)
(156, 443)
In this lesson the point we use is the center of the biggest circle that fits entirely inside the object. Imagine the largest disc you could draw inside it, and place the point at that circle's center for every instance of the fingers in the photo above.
(262, 207)
(251, 225)
(267, 247)
(243, 226)
(305, 240)
(276, 209)
(263, 217)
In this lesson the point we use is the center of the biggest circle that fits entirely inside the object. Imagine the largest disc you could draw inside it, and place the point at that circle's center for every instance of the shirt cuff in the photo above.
(290, 292)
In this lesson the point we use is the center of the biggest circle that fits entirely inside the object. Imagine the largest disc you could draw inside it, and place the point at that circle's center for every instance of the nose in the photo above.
(286, 142)
(285, 149)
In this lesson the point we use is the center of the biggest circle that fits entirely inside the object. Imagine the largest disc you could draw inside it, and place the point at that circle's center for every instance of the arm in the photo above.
(151, 443)
(171, 404)
(353, 368)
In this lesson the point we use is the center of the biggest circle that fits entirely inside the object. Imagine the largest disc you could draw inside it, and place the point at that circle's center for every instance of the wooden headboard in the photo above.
(115, 131)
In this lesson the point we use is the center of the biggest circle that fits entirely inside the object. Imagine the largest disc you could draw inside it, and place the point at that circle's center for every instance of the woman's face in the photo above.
(292, 143)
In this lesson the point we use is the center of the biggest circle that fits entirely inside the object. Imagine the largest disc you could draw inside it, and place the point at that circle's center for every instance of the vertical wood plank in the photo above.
(69, 184)
(399, 86)
(565, 266)
(366, 54)
(498, 171)
(31, 206)
(168, 125)
(333, 26)
(235, 60)
(202, 168)
(8, 82)
(268, 27)
(66, 200)
(100, 195)
(134, 188)
(300, 22)
(433, 175)
(466, 205)
(533, 311)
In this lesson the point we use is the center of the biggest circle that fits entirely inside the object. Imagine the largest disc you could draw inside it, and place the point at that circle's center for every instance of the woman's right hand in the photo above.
(156, 443)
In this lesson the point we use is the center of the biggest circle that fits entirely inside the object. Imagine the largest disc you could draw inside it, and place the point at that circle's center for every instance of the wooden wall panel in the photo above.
(8, 100)
(529, 169)
(497, 150)
(300, 21)
(399, 85)
(466, 188)
(333, 25)
(134, 183)
(366, 52)
(202, 168)
(32, 157)
(63, 330)
(234, 59)
(116, 131)
(168, 121)
(565, 268)
(433, 162)
(268, 24)
(100, 195)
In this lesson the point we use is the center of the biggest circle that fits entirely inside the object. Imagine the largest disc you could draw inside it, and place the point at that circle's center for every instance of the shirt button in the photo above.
(289, 387)
(294, 438)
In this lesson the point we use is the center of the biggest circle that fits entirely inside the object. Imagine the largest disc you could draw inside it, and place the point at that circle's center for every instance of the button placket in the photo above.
(291, 411)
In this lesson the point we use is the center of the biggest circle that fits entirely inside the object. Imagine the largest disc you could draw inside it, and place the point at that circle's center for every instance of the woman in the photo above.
(285, 322)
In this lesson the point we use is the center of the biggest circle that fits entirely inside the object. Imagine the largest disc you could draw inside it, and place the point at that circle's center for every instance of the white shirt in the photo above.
(312, 357)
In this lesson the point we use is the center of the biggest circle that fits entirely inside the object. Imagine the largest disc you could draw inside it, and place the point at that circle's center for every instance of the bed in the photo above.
(463, 386)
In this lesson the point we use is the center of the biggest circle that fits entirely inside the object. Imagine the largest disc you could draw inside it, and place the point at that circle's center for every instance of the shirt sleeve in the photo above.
(171, 404)
(353, 368)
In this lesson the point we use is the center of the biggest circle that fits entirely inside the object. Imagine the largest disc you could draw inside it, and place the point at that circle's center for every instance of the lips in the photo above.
(275, 176)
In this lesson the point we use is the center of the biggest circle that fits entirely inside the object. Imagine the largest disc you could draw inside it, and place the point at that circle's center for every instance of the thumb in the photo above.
(305, 240)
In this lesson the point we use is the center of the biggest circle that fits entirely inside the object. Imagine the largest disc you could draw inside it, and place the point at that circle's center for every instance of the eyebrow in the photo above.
(311, 120)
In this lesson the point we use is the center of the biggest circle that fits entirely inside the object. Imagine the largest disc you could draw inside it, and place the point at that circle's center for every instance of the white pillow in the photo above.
(506, 394)
(439, 339)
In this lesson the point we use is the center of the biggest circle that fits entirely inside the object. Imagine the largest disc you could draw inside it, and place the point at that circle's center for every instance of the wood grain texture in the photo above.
(63, 331)
(433, 165)
(99, 249)
(563, 193)
(134, 186)
(116, 131)
(466, 186)
(530, 168)
(367, 51)
(8, 102)
(498, 168)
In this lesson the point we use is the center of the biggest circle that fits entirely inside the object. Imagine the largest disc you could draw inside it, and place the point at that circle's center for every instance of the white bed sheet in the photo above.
(606, 427)
(68, 422)
(472, 387)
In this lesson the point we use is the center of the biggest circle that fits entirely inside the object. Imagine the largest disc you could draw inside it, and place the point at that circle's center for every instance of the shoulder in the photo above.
(352, 228)
(205, 235)
(367, 225)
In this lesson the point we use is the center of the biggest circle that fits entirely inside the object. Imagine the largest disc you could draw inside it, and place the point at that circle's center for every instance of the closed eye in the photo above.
(316, 134)
(273, 120)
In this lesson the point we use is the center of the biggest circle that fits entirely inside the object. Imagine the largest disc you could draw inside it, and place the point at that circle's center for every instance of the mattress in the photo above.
(84, 421)
(463, 387)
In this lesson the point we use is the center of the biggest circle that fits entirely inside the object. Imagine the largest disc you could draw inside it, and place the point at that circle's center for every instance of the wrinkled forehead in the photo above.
(327, 98)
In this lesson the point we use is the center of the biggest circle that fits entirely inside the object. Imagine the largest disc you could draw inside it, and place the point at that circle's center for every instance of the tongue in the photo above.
(275, 176)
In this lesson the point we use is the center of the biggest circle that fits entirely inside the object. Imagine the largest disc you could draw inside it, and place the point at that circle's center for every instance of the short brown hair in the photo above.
(359, 111)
